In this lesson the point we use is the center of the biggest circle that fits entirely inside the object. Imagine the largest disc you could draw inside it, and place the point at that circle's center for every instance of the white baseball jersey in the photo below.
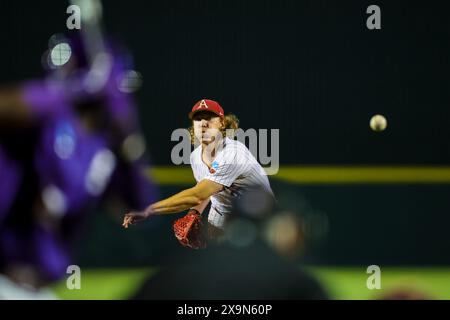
(236, 169)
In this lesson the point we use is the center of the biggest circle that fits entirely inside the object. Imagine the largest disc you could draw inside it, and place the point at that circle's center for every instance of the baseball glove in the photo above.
(189, 230)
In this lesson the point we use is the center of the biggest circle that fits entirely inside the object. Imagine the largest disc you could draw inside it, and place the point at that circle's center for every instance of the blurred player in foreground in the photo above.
(257, 259)
(223, 168)
(67, 143)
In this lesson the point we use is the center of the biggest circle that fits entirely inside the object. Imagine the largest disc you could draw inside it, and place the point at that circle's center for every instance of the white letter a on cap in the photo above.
(203, 104)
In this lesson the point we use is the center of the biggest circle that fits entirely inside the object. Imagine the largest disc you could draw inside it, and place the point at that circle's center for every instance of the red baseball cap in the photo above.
(207, 105)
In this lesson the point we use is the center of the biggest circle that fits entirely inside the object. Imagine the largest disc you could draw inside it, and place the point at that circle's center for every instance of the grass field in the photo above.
(350, 283)
(341, 283)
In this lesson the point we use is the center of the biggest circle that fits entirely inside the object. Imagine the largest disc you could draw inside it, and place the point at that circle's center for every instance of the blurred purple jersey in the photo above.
(78, 156)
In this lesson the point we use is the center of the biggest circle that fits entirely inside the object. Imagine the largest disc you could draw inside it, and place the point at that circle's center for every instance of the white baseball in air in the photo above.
(378, 123)
(60, 54)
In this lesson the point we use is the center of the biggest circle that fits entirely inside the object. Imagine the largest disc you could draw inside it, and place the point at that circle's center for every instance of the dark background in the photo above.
(309, 68)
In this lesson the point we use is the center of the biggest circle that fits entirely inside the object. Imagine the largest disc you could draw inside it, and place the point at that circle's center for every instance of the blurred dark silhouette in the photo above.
(226, 272)
(241, 265)
(404, 293)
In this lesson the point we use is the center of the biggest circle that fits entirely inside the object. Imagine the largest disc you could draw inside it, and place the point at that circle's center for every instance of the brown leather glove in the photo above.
(189, 230)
